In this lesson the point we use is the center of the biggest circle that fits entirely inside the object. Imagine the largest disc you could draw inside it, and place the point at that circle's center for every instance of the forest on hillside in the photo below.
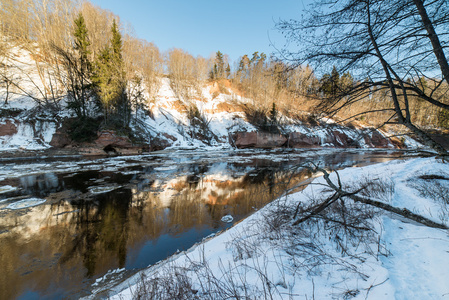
(91, 64)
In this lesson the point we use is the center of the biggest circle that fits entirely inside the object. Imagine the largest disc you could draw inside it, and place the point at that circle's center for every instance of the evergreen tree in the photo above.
(81, 92)
(78, 69)
(122, 105)
(330, 83)
(111, 82)
(262, 59)
(107, 91)
(255, 58)
(82, 44)
(219, 68)
(116, 45)
(243, 67)
(228, 71)
(81, 40)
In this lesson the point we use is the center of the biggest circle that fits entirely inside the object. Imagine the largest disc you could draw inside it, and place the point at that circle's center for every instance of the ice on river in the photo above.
(167, 168)
(103, 189)
(227, 219)
(29, 202)
(6, 189)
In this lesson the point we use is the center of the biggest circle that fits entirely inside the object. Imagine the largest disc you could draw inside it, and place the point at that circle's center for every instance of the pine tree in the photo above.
(116, 45)
(81, 90)
(255, 58)
(261, 60)
(219, 69)
(243, 67)
(78, 69)
(81, 39)
(122, 105)
(103, 79)
(82, 44)
(111, 82)
(273, 114)
(228, 71)
(330, 83)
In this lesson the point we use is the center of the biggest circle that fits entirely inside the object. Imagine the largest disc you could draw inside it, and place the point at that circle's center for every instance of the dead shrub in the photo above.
(177, 286)
(199, 125)
(435, 187)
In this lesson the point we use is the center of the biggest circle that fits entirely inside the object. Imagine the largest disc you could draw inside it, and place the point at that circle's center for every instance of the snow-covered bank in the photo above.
(373, 255)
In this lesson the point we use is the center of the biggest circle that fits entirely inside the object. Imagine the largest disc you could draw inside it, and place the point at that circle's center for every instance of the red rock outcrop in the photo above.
(8, 128)
(301, 140)
(341, 139)
(376, 140)
(258, 140)
(110, 138)
(60, 140)
(157, 143)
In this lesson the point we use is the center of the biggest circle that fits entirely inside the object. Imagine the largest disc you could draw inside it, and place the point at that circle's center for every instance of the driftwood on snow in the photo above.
(339, 193)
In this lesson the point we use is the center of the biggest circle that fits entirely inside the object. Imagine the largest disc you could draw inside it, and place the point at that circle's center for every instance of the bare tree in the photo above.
(144, 67)
(5, 76)
(98, 23)
(181, 71)
(387, 45)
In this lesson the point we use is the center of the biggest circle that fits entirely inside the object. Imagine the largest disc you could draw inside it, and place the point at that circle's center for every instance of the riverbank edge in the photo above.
(107, 288)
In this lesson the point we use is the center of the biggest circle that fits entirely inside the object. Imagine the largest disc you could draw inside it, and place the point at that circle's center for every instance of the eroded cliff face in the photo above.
(16, 134)
(338, 138)
(211, 119)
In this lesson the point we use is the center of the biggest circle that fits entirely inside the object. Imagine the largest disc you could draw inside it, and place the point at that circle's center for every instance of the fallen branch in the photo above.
(340, 193)
(399, 211)
(317, 209)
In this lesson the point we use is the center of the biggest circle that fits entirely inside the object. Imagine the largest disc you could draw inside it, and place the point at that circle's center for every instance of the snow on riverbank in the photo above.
(266, 256)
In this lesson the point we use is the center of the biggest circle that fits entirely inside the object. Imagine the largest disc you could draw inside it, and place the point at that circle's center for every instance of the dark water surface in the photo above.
(93, 217)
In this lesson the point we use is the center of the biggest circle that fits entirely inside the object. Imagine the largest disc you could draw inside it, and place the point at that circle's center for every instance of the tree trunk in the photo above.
(436, 45)
(401, 119)
(426, 138)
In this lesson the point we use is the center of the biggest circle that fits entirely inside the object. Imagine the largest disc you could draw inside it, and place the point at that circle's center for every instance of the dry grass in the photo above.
(435, 187)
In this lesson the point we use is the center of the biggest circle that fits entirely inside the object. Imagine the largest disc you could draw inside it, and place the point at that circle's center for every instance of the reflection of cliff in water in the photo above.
(76, 235)
(56, 249)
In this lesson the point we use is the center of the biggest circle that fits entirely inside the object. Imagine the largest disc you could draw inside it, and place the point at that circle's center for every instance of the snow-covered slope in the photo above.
(219, 118)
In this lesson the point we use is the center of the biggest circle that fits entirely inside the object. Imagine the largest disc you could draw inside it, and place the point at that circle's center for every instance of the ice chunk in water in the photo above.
(167, 168)
(227, 219)
(102, 189)
(26, 203)
(7, 188)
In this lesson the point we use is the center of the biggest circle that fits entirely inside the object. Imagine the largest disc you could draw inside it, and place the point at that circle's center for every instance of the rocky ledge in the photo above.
(347, 138)
(107, 142)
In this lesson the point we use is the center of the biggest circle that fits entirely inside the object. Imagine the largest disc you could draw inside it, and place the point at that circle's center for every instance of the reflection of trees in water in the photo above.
(92, 234)
(41, 185)
(102, 228)
(99, 231)
(274, 181)
(195, 171)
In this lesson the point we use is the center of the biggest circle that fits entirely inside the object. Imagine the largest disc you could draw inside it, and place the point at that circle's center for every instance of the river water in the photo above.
(65, 223)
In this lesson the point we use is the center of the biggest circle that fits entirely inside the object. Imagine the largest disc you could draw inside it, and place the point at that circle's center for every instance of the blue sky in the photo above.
(201, 27)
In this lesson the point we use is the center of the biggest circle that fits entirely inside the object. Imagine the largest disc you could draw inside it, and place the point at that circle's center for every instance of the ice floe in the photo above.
(227, 219)
(29, 202)
(103, 189)
(7, 189)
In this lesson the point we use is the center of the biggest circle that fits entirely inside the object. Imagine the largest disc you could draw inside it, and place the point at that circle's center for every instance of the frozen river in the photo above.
(66, 223)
